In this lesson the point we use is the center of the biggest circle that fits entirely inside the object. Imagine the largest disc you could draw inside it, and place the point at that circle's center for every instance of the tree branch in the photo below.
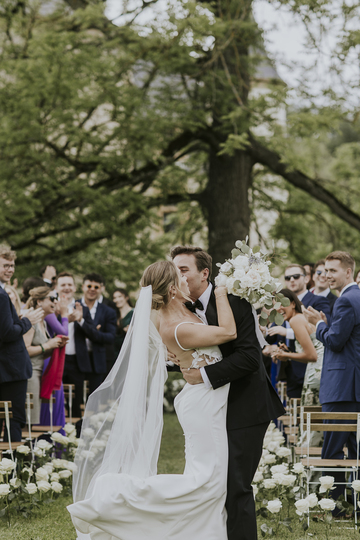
(273, 161)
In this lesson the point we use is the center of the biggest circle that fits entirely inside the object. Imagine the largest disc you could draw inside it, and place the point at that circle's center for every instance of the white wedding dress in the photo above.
(191, 506)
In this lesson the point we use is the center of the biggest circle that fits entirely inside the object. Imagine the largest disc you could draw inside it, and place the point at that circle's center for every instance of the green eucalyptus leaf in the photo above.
(268, 287)
(245, 249)
(272, 316)
(279, 319)
(285, 302)
(262, 322)
(264, 315)
(238, 243)
(235, 253)
(277, 305)
(256, 249)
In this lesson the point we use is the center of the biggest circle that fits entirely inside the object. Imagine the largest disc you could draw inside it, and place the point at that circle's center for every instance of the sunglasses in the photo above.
(319, 272)
(295, 276)
(96, 287)
(53, 298)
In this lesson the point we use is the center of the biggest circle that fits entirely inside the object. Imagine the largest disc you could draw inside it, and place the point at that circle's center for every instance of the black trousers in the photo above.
(14, 391)
(72, 375)
(245, 449)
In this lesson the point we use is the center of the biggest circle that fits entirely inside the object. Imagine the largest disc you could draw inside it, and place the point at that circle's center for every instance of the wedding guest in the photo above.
(308, 350)
(109, 347)
(48, 274)
(321, 287)
(340, 379)
(15, 364)
(28, 284)
(14, 297)
(309, 270)
(125, 309)
(39, 344)
(54, 327)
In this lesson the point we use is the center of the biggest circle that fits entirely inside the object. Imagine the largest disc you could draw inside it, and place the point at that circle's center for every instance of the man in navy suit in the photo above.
(80, 364)
(15, 364)
(340, 377)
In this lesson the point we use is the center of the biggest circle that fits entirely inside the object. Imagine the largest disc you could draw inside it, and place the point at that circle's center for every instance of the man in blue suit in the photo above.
(15, 364)
(340, 377)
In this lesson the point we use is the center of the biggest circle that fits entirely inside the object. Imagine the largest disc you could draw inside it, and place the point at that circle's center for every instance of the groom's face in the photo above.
(197, 281)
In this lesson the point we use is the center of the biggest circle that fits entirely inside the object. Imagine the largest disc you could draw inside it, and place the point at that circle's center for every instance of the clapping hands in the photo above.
(35, 315)
(77, 314)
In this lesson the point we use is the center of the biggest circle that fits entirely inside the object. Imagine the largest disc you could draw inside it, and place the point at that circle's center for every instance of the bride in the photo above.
(117, 494)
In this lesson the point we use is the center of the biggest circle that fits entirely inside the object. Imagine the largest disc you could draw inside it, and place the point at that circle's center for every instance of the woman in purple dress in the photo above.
(55, 327)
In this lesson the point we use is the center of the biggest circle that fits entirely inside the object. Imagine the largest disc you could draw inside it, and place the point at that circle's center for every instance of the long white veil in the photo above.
(123, 419)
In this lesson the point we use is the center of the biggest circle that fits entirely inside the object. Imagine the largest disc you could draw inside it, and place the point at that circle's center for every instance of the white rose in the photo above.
(88, 432)
(28, 470)
(327, 504)
(283, 452)
(43, 486)
(69, 429)
(271, 427)
(270, 458)
(54, 477)
(356, 485)
(226, 268)
(273, 446)
(220, 280)
(22, 449)
(44, 445)
(87, 454)
(49, 467)
(274, 506)
(65, 474)
(38, 452)
(312, 500)
(265, 452)
(241, 261)
(4, 490)
(287, 479)
(269, 483)
(71, 466)
(255, 490)
(57, 437)
(326, 482)
(31, 488)
(15, 482)
(298, 468)
(283, 469)
(55, 486)
(6, 466)
(239, 274)
(59, 463)
(258, 477)
(302, 506)
(230, 284)
(42, 474)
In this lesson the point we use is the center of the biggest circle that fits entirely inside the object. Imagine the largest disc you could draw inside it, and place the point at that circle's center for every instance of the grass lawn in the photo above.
(53, 522)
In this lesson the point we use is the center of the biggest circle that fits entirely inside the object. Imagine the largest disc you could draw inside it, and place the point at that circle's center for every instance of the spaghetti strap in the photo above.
(176, 338)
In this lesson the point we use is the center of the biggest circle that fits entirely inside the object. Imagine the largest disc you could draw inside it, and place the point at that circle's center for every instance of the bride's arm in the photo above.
(193, 336)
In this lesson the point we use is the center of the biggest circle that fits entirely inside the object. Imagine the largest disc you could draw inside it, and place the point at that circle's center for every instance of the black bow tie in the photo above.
(194, 306)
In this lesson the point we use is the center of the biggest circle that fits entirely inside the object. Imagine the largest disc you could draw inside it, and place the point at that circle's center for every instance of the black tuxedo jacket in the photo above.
(15, 363)
(252, 398)
(320, 303)
(106, 317)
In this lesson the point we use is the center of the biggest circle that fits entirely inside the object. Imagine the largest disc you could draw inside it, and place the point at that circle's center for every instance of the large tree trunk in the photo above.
(226, 202)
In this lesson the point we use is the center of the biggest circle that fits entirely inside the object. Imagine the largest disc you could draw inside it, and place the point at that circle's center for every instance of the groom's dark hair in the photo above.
(202, 259)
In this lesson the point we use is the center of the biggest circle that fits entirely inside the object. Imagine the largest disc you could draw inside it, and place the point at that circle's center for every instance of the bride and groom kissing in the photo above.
(224, 412)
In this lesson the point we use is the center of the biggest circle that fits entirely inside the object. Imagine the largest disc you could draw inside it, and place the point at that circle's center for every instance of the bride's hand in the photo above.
(221, 291)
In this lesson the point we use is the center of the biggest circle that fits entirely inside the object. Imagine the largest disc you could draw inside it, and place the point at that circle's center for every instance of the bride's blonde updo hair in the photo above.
(161, 275)
(38, 293)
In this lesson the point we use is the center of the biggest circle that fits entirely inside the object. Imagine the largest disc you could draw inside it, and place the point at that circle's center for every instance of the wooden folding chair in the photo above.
(69, 394)
(6, 414)
(314, 422)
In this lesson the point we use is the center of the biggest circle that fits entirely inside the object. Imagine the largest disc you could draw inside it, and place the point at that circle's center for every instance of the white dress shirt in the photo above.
(70, 345)
(92, 313)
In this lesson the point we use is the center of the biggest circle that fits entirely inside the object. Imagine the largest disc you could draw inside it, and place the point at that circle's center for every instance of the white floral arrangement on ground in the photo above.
(37, 474)
(247, 274)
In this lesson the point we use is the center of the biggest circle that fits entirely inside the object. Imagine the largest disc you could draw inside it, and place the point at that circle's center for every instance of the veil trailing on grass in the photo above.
(123, 419)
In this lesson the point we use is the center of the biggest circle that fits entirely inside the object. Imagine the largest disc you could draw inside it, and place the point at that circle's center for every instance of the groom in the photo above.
(252, 401)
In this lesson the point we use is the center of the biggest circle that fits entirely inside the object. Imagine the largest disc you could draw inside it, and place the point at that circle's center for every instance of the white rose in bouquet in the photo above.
(312, 500)
(226, 268)
(23, 449)
(356, 485)
(326, 482)
(55, 486)
(274, 506)
(43, 486)
(258, 477)
(4, 490)
(302, 507)
(270, 458)
(31, 488)
(65, 473)
(283, 452)
(269, 483)
(283, 469)
(54, 477)
(241, 262)
(327, 504)
(42, 474)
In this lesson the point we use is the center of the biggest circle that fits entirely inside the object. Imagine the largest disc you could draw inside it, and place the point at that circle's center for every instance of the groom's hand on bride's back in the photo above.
(192, 376)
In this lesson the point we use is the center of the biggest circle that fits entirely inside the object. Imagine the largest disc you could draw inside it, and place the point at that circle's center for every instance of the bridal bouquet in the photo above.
(247, 275)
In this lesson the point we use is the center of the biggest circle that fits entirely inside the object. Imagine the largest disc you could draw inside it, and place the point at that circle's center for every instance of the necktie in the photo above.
(194, 306)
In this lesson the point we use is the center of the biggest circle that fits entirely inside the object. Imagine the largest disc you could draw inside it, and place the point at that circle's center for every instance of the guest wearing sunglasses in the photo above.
(105, 321)
(48, 274)
(39, 344)
(321, 284)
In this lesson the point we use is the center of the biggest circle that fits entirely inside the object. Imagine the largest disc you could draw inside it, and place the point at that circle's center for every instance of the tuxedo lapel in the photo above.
(211, 313)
